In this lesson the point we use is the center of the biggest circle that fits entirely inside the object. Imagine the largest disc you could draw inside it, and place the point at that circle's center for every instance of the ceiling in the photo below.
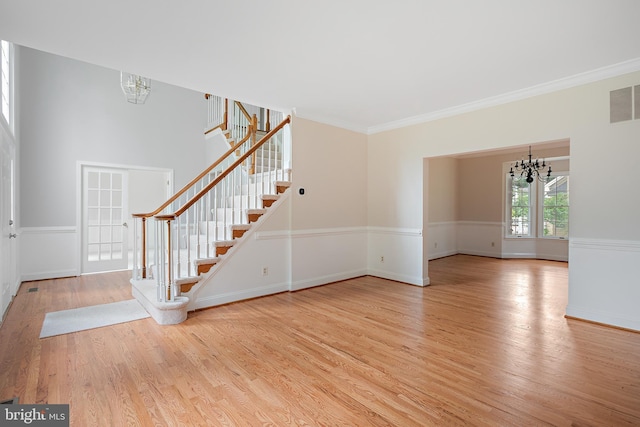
(362, 65)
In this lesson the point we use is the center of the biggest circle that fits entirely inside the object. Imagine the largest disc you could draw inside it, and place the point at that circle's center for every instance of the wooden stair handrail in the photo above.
(227, 171)
(243, 110)
(191, 183)
(186, 187)
(221, 126)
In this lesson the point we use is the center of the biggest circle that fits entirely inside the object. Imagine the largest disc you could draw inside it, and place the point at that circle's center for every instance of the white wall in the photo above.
(72, 111)
(602, 215)
(328, 228)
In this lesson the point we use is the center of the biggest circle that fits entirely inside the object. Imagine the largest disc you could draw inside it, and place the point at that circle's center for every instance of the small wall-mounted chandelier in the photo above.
(136, 88)
(531, 168)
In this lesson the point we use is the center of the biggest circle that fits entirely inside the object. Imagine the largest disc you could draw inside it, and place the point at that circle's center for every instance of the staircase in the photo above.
(180, 244)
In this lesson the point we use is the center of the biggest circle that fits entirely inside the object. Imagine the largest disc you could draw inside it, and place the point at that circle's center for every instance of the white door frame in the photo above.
(80, 165)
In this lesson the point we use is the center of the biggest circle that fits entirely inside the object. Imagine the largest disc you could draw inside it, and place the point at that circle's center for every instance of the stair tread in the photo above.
(241, 226)
(186, 280)
(200, 261)
(270, 196)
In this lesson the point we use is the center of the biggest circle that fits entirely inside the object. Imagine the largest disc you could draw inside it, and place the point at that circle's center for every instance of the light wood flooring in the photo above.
(486, 344)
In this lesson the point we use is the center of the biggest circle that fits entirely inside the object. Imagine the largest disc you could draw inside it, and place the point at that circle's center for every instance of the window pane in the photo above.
(520, 221)
(5, 80)
(556, 207)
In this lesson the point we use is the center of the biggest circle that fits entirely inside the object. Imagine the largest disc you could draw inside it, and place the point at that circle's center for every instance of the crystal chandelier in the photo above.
(531, 169)
(136, 88)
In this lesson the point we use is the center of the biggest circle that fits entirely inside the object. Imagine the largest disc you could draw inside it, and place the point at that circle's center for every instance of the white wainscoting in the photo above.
(485, 238)
(324, 256)
(240, 275)
(442, 239)
(48, 253)
(295, 260)
(396, 254)
(603, 281)
(481, 238)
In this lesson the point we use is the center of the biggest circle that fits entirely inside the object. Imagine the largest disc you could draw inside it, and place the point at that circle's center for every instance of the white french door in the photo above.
(104, 219)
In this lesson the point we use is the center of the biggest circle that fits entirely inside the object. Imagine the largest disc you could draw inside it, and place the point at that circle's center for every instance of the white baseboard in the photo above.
(416, 281)
(603, 317)
(323, 280)
(50, 274)
(442, 254)
(225, 298)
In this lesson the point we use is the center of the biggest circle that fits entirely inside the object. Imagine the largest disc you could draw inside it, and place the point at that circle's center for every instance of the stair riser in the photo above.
(236, 234)
(254, 217)
(204, 268)
(221, 250)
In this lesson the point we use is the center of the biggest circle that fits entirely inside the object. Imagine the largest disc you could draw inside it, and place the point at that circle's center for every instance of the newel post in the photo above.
(166, 282)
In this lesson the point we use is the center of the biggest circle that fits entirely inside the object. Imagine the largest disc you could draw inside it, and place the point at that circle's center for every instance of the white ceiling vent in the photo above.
(621, 105)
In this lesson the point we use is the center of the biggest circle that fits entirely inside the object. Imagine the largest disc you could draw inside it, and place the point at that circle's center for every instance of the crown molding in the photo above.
(541, 89)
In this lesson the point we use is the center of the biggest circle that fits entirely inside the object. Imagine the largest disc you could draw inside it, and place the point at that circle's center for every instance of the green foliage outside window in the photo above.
(556, 209)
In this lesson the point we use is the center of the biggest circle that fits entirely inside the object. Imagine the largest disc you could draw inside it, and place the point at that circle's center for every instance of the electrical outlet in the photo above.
(435, 245)
(493, 244)
(381, 259)
(265, 271)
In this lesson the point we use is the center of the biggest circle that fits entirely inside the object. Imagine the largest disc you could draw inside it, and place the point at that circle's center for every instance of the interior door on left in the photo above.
(8, 262)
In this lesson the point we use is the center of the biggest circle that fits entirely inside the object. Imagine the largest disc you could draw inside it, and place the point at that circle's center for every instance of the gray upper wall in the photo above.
(73, 111)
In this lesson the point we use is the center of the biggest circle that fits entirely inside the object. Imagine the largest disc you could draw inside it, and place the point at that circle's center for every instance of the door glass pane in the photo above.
(116, 182)
(92, 180)
(116, 235)
(105, 216)
(93, 216)
(116, 251)
(93, 252)
(105, 252)
(105, 198)
(93, 235)
(105, 233)
(92, 198)
(116, 198)
(105, 180)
